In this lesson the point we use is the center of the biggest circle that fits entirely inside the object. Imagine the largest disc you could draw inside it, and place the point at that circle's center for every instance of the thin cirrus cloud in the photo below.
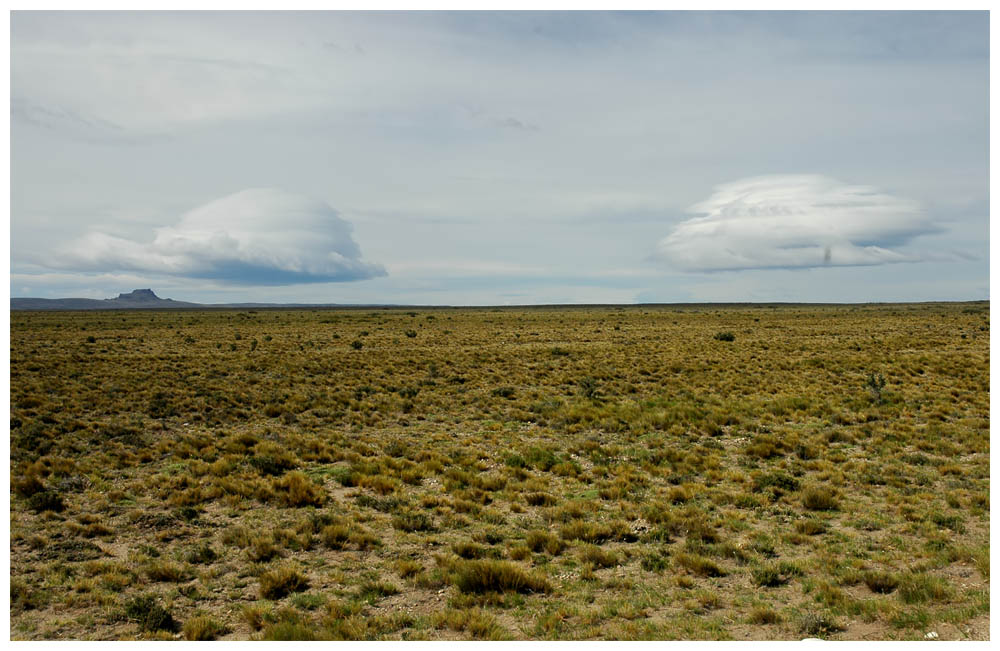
(253, 237)
(794, 221)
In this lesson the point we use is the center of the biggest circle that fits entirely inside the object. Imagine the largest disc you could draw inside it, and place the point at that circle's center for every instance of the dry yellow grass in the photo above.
(549, 473)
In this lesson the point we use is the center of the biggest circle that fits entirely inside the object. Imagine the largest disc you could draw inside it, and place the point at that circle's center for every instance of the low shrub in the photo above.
(149, 614)
(819, 624)
(769, 576)
(503, 392)
(46, 501)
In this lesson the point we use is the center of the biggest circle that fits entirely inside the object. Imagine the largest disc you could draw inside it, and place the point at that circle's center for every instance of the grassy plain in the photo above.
(649, 472)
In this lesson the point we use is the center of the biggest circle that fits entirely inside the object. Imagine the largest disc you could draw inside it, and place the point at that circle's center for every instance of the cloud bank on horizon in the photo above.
(257, 236)
(492, 157)
(794, 221)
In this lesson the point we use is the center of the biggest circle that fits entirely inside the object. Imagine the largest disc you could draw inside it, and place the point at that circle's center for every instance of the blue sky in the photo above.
(501, 158)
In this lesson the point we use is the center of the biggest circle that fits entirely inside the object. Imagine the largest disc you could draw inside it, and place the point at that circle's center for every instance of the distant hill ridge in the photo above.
(136, 299)
(146, 299)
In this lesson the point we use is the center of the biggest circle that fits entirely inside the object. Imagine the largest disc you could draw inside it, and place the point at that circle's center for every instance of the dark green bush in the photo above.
(149, 614)
(46, 501)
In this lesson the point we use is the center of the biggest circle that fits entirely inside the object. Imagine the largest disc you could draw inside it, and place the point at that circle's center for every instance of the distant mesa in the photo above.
(146, 299)
(139, 295)
(136, 299)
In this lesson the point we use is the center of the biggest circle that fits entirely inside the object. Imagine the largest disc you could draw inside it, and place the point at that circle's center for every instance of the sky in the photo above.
(491, 158)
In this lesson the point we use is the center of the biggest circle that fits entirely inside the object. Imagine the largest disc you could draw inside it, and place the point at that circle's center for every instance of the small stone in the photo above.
(931, 636)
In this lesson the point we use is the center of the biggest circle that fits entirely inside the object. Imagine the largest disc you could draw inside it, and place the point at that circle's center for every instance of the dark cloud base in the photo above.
(245, 274)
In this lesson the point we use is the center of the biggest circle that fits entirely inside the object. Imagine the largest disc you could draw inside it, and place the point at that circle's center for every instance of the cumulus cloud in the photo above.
(794, 221)
(258, 237)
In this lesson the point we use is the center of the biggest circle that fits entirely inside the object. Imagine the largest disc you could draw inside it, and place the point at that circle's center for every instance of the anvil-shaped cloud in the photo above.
(789, 221)
(257, 236)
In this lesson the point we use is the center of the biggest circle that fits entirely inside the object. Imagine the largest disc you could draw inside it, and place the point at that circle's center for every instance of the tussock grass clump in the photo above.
(29, 482)
(810, 527)
(287, 631)
(269, 458)
(496, 576)
(820, 498)
(881, 582)
(408, 568)
(540, 499)
(764, 615)
(948, 521)
(262, 548)
(478, 623)
(918, 588)
(765, 447)
(413, 521)
(281, 582)
(504, 392)
(149, 614)
(519, 553)
(253, 615)
(381, 504)
(470, 550)
(46, 500)
(202, 628)
(538, 541)
(336, 536)
(777, 480)
(202, 554)
(699, 565)
(22, 597)
(679, 495)
(598, 557)
(372, 591)
(769, 576)
(655, 561)
(597, 532)
(163, 570)
(296, 489)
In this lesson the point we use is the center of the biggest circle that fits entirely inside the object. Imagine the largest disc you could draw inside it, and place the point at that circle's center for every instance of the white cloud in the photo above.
(257, 236)
(790, 221)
